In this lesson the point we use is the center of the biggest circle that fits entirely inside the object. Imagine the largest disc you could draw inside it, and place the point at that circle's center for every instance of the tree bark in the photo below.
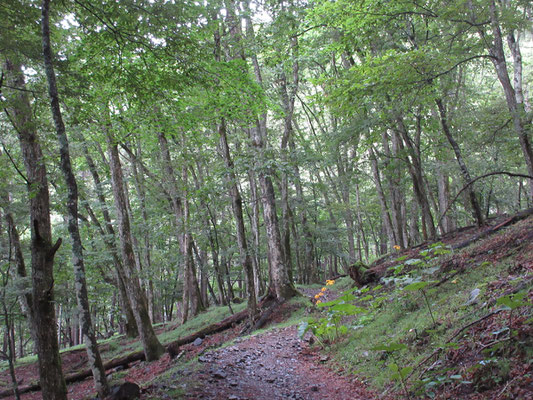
(151, 345)
(236, 203)
(415, 169)
(109, 240)
(42, 248)
(281, 283)
(396, 194)
(146, 279)
(93, 354)
(476, 209)
(513, 96)
(382, 200)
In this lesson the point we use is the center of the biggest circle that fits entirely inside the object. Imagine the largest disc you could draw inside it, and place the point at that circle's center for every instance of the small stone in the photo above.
(314, 388)
(203, 359)
(323, 359)
(126, 391)
(197, 342)
(220, 374)
(233, 397)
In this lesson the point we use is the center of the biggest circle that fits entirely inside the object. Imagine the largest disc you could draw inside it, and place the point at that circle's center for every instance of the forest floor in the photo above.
(276, 363)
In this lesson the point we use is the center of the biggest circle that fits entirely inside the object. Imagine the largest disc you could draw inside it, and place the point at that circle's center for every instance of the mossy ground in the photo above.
(398, 316)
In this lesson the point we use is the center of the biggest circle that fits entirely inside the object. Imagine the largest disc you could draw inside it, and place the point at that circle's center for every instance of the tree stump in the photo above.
(361, 274)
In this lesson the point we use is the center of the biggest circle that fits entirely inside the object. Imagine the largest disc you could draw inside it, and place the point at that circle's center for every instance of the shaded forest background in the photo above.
(219, 151)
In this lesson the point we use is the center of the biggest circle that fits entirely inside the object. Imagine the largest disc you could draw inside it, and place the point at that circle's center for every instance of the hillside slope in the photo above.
(439, 323)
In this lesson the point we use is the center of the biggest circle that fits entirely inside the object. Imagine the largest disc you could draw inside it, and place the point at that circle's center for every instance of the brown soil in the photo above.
(272, 365)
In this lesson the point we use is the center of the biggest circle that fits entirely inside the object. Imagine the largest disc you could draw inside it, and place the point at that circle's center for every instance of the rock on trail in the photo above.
(272, 365)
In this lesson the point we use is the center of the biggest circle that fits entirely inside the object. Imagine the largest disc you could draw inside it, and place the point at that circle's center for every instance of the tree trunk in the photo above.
(82, 298)
(236, 203)
(414, 165)
(147, 282)
(396, 194)
(281, 283)
(476, 209)
(42, 249)
(254, 223)
(109, 240)
(382, 200)
(513, 96)
(151, 345)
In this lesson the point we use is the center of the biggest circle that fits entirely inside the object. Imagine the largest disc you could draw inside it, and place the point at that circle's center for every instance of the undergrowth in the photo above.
(401, 331)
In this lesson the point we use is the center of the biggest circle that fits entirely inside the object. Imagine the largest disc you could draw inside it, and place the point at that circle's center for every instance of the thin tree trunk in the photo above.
(109, 240)
(415, 169)
(513, 96)
(476, 209)
(382, 200)
(82, 297)
(236, 203)
(282, 286)
(396, 194)
(141, 194)
(151, 345)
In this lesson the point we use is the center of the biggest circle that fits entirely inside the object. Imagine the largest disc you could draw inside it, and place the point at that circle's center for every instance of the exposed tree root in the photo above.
(262, 320)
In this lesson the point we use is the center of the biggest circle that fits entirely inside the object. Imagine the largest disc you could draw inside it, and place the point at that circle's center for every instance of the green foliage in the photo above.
(513, 301)
(330, 327)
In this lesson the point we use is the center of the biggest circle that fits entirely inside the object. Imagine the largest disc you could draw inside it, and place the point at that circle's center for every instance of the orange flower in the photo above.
(323, 289)
(330, 282)
(317, 296)
(318, 301)
(396, 247)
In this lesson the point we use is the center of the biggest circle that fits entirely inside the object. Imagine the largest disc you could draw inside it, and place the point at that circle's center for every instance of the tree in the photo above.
(93, 354)
(43, 250)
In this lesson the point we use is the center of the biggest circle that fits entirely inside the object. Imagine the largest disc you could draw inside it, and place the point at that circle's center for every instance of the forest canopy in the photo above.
(160, 156)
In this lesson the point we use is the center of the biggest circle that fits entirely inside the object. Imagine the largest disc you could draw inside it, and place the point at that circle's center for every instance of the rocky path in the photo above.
(272, 365)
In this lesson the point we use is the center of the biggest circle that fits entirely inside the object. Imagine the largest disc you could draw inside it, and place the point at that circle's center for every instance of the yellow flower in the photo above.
(318, 301)
(323, 289)
(329, 282)
(317, 296)
(396, 247)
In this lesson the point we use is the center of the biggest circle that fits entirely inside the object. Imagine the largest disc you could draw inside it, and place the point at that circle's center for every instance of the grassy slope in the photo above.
(398, 316)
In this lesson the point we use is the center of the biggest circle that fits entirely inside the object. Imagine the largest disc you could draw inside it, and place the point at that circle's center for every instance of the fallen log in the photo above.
(493, 229)
(262, 320)
(139, 355)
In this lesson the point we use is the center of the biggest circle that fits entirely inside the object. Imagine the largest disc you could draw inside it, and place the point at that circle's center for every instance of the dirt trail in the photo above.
(272, 365)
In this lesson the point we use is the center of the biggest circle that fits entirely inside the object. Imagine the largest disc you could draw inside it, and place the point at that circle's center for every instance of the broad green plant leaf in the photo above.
(391, 347)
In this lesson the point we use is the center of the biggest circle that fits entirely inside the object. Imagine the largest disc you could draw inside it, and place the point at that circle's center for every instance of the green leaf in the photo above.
(349, 309)
(347, 297)
(391, 347)
(393, 367)
(328, 303)
(512, 301)
(405, 371)
(413, 287)
(302, 329)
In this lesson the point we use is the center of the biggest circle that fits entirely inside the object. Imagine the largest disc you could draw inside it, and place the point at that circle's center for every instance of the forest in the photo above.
(161, 157)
